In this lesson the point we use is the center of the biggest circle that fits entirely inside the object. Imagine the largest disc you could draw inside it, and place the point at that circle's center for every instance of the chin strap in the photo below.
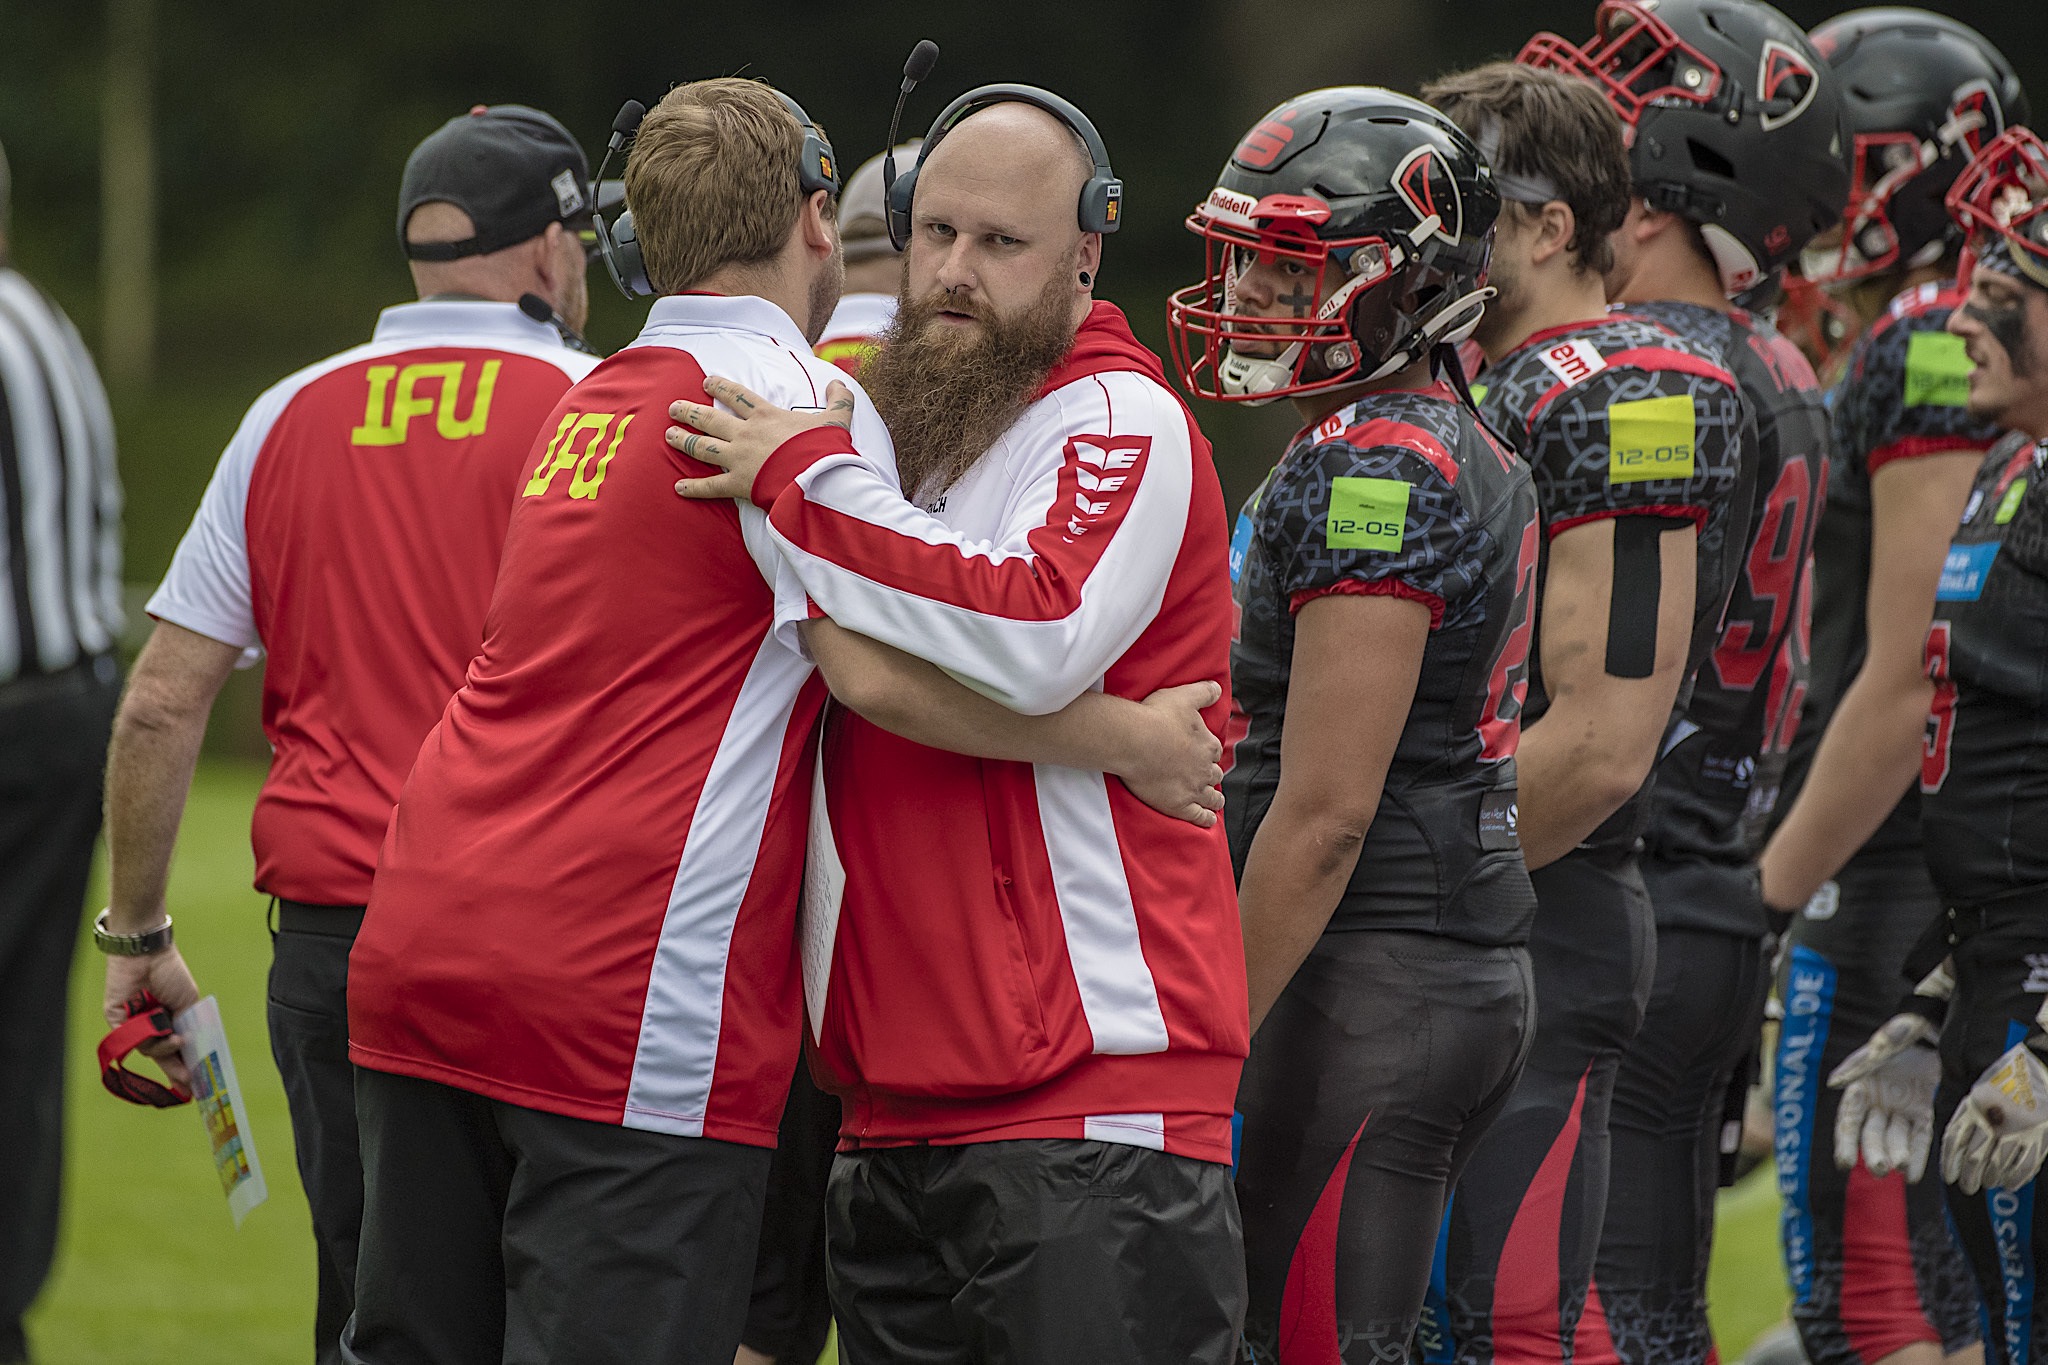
(1244, 374)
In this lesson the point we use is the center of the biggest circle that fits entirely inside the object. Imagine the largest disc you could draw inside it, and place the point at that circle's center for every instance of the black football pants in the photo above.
(1873, 1264)
(1526, 1219)
(1368, 1086)
(1670, 1096)
(1034, 1252)
(2001, 979)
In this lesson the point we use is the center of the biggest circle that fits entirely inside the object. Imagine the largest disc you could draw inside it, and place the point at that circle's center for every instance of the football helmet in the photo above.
(1732, 121)
(1373, 191)
(2001, 201)
(1921, 95)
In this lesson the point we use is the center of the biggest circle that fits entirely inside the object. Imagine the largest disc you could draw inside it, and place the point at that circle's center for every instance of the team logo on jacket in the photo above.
(1784, 73)
(1428, 188)
(1104, 470)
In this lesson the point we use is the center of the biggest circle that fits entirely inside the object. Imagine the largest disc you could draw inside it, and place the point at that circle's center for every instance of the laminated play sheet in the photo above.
(219, 1097)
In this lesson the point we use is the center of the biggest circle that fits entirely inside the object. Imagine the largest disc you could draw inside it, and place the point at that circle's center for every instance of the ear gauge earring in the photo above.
(1086, 279)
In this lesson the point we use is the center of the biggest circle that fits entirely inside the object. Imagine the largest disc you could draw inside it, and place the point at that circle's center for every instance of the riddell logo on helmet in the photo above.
(1429, 189)
(1784, 73)
(1231, 206)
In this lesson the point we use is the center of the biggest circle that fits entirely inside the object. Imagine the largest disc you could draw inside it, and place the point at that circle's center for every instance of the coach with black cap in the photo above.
(351, 533)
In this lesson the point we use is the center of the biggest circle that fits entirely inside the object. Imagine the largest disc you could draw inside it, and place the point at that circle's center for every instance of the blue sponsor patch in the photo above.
(1809, 1010)
(1964, 571)
(1240, 544)
(2012, 1231)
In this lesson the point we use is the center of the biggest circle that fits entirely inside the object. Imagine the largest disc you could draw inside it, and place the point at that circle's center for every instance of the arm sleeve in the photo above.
(1377, 521)
(207, 589)
(1101, 476)
(1640, 440)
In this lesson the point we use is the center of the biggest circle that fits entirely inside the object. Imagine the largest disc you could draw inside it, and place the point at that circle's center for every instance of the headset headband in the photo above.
(1101, 203)
(619, 244)
(815, 170)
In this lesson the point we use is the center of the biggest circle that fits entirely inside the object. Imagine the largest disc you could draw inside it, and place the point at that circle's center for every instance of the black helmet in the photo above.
(1921, 95)
(1732, 121)
(1380, 186)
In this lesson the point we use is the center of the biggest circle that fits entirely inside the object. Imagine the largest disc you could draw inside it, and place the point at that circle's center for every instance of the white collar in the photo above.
(862, 315)
(462, 317)
(723, 313)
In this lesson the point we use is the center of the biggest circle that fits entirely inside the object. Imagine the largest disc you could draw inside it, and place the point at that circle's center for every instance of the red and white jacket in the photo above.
(587, 901)
(1000, 950)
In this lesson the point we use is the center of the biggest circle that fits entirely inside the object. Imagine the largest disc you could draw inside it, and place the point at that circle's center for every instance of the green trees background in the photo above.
(208, 186)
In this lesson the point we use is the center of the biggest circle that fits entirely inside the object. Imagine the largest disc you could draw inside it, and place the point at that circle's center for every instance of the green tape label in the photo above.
(1367, 514)
(1937, 371)
(1650, 439)
(2009, 505)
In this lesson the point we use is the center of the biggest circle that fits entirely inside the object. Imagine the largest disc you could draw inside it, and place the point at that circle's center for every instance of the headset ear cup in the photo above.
(1102, 204)
(899, 208)
(620, 247)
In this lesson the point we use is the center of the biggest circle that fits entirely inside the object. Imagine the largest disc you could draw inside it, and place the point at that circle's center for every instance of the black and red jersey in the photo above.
(1902, 397)
(1984, 771)
(1622, 417)
(1403, 494)
(1724, 758)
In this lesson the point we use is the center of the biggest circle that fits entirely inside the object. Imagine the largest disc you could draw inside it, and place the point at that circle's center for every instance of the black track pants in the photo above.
(1034, 1252)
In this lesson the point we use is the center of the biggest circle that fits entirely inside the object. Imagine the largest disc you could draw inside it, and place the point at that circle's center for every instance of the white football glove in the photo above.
(1999, 1134)
(1887, 1108)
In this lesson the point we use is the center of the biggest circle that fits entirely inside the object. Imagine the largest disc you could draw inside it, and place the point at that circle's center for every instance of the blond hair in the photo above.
(712, 180)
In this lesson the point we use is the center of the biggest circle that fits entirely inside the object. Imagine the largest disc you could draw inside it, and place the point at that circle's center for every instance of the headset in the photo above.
(619, 244)
(1101, 204)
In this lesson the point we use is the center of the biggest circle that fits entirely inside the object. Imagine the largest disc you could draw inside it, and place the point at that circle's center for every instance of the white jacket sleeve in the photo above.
(1101, 475)
(207, 589)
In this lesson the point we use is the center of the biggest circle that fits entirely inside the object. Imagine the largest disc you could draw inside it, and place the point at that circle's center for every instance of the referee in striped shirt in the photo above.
(60, 617)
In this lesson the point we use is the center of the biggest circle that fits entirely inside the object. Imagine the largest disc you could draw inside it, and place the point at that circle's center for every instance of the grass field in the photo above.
(152, 1269)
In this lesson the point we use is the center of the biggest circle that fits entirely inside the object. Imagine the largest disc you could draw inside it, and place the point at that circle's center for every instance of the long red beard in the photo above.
(947, 396)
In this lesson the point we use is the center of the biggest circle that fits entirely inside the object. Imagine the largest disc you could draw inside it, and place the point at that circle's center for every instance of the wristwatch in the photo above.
(130, 945)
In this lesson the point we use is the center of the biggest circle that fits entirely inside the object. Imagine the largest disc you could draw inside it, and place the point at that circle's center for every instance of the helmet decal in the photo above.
(1784, 73)
(1426, 186)
(1974, 115)
(1263, 145)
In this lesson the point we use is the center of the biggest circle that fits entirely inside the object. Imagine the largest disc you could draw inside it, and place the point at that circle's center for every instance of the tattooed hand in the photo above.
(740, 441)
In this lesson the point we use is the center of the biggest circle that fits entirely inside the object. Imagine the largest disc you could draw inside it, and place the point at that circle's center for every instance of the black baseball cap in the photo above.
(512, 169)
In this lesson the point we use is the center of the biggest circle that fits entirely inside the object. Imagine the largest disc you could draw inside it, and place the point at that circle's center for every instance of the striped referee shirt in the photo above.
(60, 493)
